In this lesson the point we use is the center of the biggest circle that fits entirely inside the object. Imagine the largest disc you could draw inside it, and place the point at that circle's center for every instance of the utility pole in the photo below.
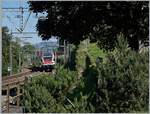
(10, 68)
(21, 10)
(19, 62)
(10, 56)
(21, 29)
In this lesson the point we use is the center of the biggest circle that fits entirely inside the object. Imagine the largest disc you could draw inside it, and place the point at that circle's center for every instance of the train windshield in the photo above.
(47, 54)
(47, 58)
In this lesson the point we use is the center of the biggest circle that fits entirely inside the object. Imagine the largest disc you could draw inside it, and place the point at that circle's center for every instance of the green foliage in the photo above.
(94, 52)
(6, 40)
(5, 50)
(60, 59)
(123, 81)
(28, 48)
(39, 100)
(117, 84)
(27, 51)
(82, 105)
(91, 50)
(71, 63)
(90, 77)
(80, 57)
(36, 61)
(72, 21)
(49, 93)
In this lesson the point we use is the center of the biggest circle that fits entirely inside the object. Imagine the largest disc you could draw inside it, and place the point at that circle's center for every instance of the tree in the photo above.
(5, 50)
(102, 21)
(27, 51)
(122, 83)
(28, 48)
(6, 40)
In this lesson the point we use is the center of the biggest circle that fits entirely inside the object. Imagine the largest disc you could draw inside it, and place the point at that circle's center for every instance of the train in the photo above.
(43, 61)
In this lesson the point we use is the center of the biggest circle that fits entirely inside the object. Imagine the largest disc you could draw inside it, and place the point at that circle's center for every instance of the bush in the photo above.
(60, 59)
(94, 52)
(90, 50)
(38, 99)
(71, 63)
(54, 93)
(123, 81)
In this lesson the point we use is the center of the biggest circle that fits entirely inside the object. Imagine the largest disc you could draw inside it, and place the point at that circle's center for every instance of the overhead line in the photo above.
(15, 8)
(13, 24)
(26, 21)
(25, 33)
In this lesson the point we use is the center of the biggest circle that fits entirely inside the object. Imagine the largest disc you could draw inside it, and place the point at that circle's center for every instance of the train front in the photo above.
(48, 61)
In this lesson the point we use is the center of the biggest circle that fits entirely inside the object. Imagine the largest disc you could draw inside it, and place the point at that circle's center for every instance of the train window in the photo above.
(49, 58)
(47, 54)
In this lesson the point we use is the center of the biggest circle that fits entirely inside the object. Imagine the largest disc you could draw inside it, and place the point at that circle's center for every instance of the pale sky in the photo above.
(10, 20)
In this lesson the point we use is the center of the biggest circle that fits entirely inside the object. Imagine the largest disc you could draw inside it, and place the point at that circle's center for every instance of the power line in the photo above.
(13, 23)
(25, 32)
(20, 30)
(26, 21)
(14, 9)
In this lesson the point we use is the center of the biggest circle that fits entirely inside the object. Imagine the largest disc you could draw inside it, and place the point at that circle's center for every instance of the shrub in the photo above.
(71, 63)
(123, 81)
(90, 50)
(38, 99)
(60, 59)
(55, 93)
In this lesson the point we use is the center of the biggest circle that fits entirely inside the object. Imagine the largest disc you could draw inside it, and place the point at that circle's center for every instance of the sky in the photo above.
(10, 20)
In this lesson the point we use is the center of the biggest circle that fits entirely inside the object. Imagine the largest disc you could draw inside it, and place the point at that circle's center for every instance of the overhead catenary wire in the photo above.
(13, 24)
(27, 21)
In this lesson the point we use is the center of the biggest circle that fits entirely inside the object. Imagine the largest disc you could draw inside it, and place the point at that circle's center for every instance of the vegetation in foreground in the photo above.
(119, 83)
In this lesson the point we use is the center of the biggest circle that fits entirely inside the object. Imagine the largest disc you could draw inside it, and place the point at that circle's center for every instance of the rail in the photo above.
(16, 75)
(10, 82)
(15, 81)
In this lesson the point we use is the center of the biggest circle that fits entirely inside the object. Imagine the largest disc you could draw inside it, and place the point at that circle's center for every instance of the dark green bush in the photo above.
(123, 81)
(62, 89)
(38, 99)
(60, 59)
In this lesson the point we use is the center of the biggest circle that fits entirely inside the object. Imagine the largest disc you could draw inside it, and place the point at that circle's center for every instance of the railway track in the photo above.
(17, 78)
(14, 81)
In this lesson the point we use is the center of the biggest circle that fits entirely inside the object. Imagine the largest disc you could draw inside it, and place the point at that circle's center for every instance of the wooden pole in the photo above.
(10, 56)
(8, 98)
(18, 95)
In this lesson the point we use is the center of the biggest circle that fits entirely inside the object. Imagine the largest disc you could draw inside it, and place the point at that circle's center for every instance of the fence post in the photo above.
(8, 92)
(18, 95)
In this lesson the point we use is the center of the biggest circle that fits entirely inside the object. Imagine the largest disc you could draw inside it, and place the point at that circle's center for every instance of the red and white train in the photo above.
(43, 61)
